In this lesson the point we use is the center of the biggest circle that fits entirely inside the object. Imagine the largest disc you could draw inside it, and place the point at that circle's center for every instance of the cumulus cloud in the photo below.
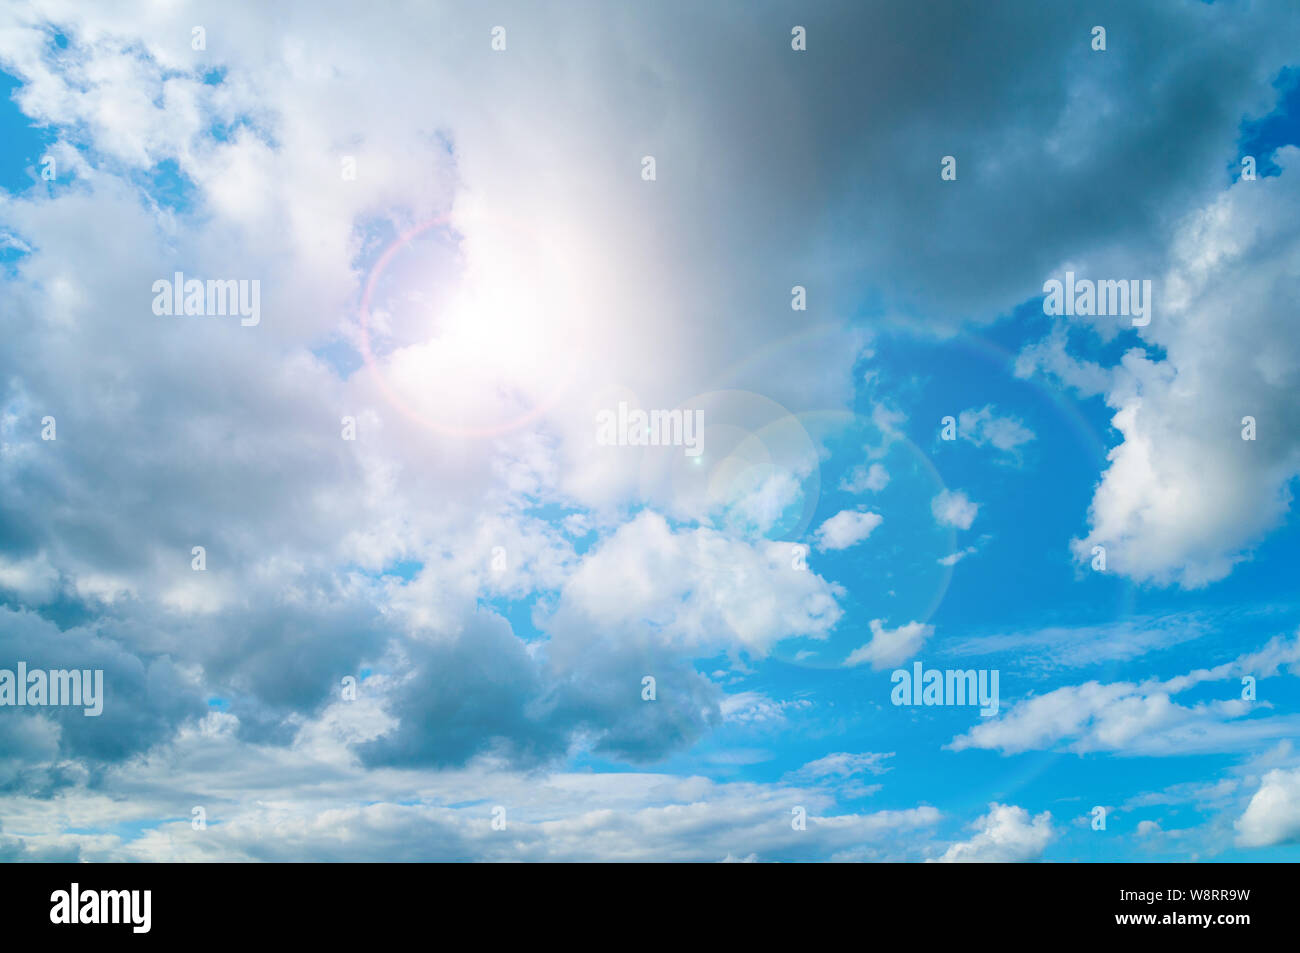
(890, 647)
(327, 556)
(984, 427)
(255, 811)
(846, 528)
(954, 508)
(694, 588)
(551, 283)
(1273, 814)
(866, 479)
(1185, 497)
(1006, 834)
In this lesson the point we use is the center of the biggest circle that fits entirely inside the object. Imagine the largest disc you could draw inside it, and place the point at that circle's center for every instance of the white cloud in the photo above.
(890, 647)
(984, 427)
(843, 764)
(229, 437)
(755, 708)
(1006, 834)
(1185, 498)
(1215, 794)
(34, 580)
(1273, 815)
(954, 508)
(888, 421)
(953, 559)
(1055, 647)
(865, 479)
(694, 588)
(1050, 356)
(1143, 719)
(846, 528)
(256, 811)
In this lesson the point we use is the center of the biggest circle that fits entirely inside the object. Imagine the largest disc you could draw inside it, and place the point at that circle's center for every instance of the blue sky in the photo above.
(397, 474)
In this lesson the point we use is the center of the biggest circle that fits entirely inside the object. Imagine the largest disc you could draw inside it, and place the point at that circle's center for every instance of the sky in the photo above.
(387, 567)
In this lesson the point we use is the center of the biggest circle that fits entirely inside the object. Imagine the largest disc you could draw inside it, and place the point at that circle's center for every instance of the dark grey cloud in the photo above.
(144, 698)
